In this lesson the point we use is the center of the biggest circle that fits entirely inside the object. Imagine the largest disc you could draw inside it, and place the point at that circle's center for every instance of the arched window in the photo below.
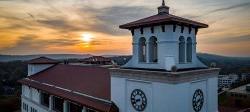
(189, 49)
(181, 49)
(153, 50)
(142, 49)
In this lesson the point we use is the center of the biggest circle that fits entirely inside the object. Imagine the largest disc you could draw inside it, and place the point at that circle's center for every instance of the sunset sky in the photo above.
(92, 26)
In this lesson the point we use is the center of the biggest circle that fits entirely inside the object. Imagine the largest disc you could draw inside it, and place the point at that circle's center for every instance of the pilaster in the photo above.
(65, 106)
(84, 109)
(51, 102)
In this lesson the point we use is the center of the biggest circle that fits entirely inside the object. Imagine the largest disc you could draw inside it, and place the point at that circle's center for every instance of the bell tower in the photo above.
(164, 73)
(164, 41)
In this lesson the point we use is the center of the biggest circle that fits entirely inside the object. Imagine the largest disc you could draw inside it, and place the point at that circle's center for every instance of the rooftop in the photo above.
(43, 60)
(241, 89)
(89, 86)
(159, 19)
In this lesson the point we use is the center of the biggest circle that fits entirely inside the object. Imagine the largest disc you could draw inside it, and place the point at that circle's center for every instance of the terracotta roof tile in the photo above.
(90, 81)
(159, 19)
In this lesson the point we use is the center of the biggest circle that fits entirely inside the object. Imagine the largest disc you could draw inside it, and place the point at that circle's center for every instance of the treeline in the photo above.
(227, 64)
(10, 72)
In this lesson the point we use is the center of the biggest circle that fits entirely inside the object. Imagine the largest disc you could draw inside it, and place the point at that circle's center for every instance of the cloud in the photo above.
(16, 26)
(229, 40)
(24, 44)
(223, 9)
(32, 43)
(61, 42)
(111, 17)
(61, 25)
(243, 5)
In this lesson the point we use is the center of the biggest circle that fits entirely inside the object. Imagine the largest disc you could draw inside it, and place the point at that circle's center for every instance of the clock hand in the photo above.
(138, 100)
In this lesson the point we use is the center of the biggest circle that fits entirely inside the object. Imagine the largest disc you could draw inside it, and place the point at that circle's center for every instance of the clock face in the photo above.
(138, 100)
(198, 100)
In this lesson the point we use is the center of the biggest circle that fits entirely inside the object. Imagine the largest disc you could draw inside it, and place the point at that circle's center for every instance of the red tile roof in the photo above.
(43, 60)
(162, 19)
(89, 86)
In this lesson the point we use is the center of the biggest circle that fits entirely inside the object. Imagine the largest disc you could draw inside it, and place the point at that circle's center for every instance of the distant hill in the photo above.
(6, 58)
(228, 64)
(224, 60)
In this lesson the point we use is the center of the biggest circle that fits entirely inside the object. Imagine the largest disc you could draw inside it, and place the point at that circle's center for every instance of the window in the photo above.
(153, 50)
(141, 30)
(25, 107)
(174, 28)
(32, 109)
(181, 49)
(163, 28)
(74, 107)
(91, 110)
(190, 30)
(189, 49)
(182, 29)
(152, 30)
(45, 99)
(232, 94)
(142, 49)
(58, 104)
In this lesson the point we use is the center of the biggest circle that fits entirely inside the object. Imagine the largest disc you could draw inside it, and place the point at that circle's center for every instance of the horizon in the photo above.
(199, 53)
(91, 27)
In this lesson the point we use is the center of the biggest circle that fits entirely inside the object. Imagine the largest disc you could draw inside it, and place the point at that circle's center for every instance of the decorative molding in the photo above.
(141, 30)
(174, 27)
(189, 29)
(132, 32)
(164, 76)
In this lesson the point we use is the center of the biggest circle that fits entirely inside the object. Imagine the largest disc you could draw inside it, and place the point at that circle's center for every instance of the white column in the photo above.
(135, 51)
(51, 102)
(84, 109)
(185, 50)
(30, 93)
(39, 96)
(65, 106)
(147, 52)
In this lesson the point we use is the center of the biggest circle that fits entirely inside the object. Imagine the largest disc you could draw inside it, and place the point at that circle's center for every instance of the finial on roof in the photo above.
(163, 9)
(163, 2)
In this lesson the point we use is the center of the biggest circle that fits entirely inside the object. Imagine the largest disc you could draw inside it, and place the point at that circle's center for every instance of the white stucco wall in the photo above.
(118, 92)
(168, 46)
(26, 91)
(35, 95)
(212, 99)
(34, 105)
(35, 68)
(163, 97)
(31, 97)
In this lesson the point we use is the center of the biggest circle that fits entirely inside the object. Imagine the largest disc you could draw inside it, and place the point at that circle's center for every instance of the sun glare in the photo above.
(86, 37)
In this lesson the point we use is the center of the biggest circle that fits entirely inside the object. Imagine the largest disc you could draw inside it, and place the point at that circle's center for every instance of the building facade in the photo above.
(225, 81)
(240, 96)
(164, 75)
(65, 88)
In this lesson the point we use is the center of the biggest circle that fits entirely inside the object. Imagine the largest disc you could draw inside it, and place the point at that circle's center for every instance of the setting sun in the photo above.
(86, 37)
